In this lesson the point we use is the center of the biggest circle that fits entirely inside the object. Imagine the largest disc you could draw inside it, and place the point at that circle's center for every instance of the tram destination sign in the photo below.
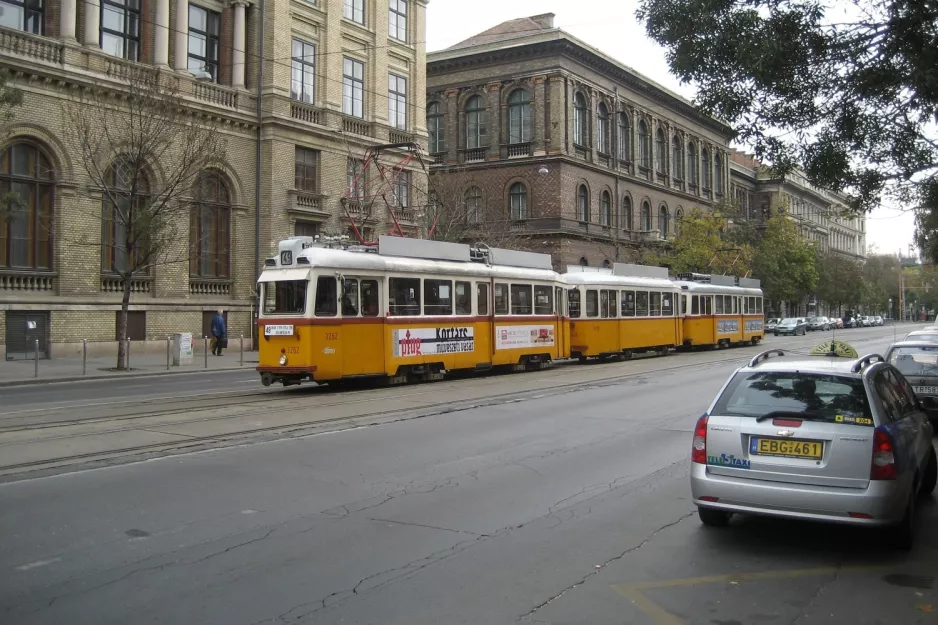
(410, 342)
(279, 330)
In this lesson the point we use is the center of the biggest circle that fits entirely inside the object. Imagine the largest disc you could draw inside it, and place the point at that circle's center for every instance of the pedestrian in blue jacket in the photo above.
(219, 333)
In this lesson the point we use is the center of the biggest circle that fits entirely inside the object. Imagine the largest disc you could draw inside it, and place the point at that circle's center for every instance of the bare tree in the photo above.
(125, 137)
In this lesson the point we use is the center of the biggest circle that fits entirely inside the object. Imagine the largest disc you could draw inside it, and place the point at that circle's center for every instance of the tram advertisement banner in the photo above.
(430, 341)
(727, 326)
(514, 337)
(753, 325)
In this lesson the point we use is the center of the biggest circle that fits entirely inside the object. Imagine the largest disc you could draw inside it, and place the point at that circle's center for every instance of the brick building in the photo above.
(536, 133)
(337, 77)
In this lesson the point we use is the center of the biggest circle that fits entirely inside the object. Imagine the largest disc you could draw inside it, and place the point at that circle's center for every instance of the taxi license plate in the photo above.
(925, 390)
(812, 450)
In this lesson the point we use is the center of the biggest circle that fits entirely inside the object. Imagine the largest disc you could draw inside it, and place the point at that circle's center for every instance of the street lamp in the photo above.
(543, 170)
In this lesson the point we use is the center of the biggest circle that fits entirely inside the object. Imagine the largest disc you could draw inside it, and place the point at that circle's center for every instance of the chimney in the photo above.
(545, 19)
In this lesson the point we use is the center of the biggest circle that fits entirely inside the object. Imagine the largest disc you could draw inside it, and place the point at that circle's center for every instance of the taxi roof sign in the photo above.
(835, 348)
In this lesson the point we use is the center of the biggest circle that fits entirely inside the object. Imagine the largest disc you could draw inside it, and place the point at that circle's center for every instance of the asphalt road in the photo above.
(553, 507)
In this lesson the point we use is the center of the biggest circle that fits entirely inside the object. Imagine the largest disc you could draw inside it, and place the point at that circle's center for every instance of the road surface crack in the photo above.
(429, 527)
(817, 594)
(526, 617)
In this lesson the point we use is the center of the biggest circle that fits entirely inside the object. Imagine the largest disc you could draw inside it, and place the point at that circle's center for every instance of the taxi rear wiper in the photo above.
(791, 414)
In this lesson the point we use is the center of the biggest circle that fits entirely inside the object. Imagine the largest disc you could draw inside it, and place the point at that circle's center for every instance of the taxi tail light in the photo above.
(883, 466)
(698, 452)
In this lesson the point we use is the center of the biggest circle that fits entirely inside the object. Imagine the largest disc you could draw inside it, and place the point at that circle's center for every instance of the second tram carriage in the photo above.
(718, 313)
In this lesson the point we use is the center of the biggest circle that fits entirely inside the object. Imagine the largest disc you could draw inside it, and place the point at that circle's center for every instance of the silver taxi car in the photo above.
(823, 437)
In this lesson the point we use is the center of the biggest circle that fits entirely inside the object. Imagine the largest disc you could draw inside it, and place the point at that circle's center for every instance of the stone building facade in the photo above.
(337, 77)
(534, 132)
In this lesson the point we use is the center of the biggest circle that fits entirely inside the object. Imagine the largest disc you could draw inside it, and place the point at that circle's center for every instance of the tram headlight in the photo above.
(283, 359)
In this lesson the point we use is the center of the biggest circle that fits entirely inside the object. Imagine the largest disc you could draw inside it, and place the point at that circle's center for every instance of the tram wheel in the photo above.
(626, 354)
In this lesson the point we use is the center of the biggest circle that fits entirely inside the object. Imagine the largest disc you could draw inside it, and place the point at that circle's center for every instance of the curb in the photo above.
(117, 376)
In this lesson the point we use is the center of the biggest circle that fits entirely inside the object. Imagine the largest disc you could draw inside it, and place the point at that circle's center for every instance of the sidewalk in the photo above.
(16, 372)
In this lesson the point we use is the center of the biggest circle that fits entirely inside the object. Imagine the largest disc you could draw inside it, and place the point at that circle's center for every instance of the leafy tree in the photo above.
(848, 90)
(703, 245)
(839, 283)
(784, 262)
(122, 140)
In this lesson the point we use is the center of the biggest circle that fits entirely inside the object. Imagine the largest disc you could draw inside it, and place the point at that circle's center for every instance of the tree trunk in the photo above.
(122, 327)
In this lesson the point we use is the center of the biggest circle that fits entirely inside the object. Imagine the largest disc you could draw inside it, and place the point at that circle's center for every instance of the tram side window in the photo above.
(573, 303)
(604, 304)
(501, 299)
(667, 304)
(463, 298)
(719, 305)
(695, 305)
(543, 300)
(641, 303)
(707, 303)
(437, 297)
(559, 300)
(655, 300)
(759, 305)
(592, 303)
(612, 305)
(326, 297)
(628, 303)
(483, 298)
(288, 296)
(521, 299)
(371, 300)
(350, 298)
(735, 305)
(404, 296)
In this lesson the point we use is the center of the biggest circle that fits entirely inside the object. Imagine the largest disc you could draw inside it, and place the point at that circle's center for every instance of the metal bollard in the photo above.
(84, 356)
(205, 351)
(242, 350)
(128, 354)
(168, 347)
(36, 358)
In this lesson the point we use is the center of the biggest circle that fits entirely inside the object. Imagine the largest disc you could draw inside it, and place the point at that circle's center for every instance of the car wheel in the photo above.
(713, 518)
(903, 534)
(931, 474)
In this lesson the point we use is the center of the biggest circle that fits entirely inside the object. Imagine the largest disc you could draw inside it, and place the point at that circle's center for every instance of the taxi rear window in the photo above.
(820, 397)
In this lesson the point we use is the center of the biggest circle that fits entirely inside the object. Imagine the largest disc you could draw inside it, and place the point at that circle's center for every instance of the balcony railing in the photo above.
(27, 281)
(399, 136)
(305, 113)
(358, 208)
(439, 158)
(115, 284)
(308, 201)
(31, 46)
(404, 214)
(216, 94)
(208, 286)
(520, 149)
(474, 155)
(356, 126)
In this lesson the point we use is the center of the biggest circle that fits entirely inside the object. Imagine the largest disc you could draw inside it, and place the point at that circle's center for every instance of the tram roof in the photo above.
(703, 287)
(610, 279)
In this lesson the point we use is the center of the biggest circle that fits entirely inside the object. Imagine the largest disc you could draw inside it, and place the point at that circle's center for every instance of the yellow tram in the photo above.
(622, 310)
(718, 312)
(407, 309)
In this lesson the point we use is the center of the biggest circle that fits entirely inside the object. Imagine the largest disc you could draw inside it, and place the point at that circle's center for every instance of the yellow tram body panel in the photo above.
(720, 313)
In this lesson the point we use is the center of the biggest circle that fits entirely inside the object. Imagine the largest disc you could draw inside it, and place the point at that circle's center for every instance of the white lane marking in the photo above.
(36, 564)
(249, 512)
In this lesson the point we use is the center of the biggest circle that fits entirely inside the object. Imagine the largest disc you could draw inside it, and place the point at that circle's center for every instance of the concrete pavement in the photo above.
(539, 507)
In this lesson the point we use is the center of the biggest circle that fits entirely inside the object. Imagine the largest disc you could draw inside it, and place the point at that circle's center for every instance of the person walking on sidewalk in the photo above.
(219, 333)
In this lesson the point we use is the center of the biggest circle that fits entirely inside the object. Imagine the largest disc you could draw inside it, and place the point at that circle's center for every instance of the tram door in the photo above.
(563, 323)
(362, 336)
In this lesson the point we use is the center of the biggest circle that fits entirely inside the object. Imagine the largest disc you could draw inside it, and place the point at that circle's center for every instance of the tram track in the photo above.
(279, 403)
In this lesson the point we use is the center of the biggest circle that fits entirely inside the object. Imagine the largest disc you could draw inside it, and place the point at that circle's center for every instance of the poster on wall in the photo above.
(433, 341)
(727, 326)
(515, 337)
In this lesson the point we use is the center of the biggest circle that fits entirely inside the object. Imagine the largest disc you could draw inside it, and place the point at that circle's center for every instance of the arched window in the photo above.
(646, 217)
(475, 122)
(210, 225)
(625, 138)
(644, 145)
(474, 205)
(661, 150)
(718, 173)
(705, 164)
(25, 233)
(519, 116)
(677, 159)
(518, 200)
(678, 218)
(605, 208)
(693, 164)
(607, 264)
(602, 114)
(663, 221)
(584, 262)
(580, 120)
(123, 218)
(583, 203)
(627, 212)
(436, 128)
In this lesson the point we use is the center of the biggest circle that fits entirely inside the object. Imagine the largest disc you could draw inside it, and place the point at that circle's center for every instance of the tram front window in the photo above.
(286, 297)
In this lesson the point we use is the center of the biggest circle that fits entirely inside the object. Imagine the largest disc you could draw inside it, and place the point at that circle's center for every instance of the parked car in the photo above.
(867, 321)
(837, 322)
(878, 321)
(821, 438)
(918, 363)
(850, 322)
(792, 325)
(819, 323)
(771, 324)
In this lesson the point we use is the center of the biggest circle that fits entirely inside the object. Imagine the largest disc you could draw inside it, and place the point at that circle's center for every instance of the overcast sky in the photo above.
(610, 25)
